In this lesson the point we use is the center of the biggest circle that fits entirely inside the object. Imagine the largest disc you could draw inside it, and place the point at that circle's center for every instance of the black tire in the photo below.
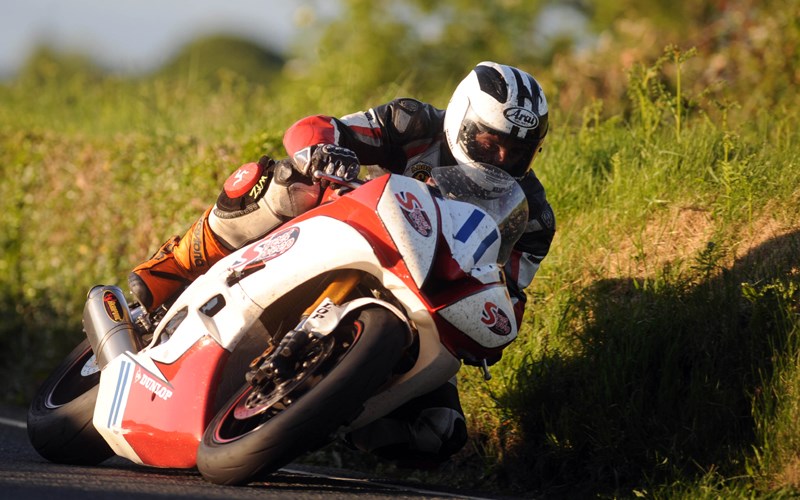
(60, 416)
(236, 450)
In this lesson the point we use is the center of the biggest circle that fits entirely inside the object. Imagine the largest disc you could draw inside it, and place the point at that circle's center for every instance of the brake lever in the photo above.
(335, 179)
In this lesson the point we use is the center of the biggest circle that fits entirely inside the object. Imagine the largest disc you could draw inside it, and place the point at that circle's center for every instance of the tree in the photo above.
(420, 47)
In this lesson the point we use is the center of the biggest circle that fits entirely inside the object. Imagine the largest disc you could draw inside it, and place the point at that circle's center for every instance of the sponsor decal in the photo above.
(152, 385)
(197, 243)
(269, 248)
(414, 214)
(548, 217)
(259, 187)
(420, 172)
(495, 319)
(113, 307)
(522, 117)
(322, 310)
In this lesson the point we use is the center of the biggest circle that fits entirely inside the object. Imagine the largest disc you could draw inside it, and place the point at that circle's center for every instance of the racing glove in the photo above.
(329, 158)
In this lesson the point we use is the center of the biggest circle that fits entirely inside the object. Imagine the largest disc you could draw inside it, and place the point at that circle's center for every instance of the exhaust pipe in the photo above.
(107, 323)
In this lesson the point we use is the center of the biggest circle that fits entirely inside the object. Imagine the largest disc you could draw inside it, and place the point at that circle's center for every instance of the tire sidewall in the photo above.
(65, 433)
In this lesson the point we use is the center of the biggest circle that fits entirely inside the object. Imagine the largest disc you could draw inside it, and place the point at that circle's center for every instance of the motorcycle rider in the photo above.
(498, 114)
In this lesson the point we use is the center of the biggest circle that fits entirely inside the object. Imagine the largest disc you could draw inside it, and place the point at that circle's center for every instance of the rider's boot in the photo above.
(177, 263)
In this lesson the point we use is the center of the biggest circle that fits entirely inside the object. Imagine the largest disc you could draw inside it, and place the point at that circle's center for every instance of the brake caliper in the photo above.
(283, 362)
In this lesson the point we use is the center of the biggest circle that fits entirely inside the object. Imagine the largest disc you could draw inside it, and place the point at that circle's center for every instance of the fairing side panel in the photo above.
(486, 317)
(412, 220)
(156, 421)
(343, 246)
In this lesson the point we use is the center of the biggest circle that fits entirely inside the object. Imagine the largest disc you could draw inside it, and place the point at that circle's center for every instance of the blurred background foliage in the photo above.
(582, 51)
(659, 353)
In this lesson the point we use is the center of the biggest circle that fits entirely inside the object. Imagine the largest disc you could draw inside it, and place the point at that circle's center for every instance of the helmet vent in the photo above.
(522, 89)
(491, 81)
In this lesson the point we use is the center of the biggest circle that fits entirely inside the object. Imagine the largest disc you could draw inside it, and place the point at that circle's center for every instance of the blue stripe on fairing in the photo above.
(117, 403)
(485, 244)
(469, 226)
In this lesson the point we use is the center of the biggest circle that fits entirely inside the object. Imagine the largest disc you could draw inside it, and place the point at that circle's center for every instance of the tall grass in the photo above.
(660, 353)
(659, 356)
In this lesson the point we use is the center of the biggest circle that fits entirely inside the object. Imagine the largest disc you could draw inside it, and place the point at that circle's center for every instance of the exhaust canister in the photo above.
(107, 323)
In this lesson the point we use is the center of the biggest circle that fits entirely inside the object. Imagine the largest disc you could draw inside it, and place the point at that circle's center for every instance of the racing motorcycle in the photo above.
(270, 354)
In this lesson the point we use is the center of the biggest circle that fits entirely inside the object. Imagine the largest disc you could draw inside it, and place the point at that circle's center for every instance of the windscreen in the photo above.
(492, 190)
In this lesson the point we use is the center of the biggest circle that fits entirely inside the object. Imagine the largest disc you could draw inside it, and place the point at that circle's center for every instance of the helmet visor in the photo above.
(484, 144)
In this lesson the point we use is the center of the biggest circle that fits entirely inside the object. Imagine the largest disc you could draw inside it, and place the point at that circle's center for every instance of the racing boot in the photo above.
(176, 264)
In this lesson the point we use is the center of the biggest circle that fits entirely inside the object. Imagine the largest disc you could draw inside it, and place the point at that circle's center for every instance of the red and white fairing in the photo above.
(153, 406)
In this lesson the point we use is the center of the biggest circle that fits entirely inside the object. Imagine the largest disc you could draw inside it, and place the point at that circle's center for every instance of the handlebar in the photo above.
(335, 179)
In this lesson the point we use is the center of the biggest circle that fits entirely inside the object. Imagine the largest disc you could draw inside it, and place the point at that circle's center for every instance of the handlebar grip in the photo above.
(335, 179)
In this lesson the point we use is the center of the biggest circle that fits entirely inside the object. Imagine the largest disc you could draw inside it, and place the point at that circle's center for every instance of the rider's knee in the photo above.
(274, 198)
(431, 438)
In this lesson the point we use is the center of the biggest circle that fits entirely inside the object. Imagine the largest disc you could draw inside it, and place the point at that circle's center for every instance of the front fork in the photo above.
(279, 362)
(337, 290)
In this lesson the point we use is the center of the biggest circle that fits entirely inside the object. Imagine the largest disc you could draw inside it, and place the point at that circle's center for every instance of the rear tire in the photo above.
(60, 416)
(235, 448)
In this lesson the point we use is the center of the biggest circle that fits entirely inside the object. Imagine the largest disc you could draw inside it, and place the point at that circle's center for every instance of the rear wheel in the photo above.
(60, 416)
(259, 430)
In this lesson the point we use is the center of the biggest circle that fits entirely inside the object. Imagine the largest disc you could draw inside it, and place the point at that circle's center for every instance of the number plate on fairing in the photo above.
(486, 317)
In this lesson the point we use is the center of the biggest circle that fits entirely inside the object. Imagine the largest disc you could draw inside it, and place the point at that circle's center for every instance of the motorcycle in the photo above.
(271, 354)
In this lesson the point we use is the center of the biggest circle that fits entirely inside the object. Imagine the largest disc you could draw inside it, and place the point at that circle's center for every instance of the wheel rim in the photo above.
(260, 401)
(252, 407)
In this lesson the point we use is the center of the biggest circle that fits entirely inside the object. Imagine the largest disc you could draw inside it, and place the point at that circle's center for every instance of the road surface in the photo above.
(25, 475)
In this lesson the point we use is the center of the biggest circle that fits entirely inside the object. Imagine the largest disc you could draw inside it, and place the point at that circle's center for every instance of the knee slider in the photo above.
(239, 216)
(244, 187)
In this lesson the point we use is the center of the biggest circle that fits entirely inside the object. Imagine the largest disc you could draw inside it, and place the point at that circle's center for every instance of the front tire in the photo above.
(60, 416)
(238, 445)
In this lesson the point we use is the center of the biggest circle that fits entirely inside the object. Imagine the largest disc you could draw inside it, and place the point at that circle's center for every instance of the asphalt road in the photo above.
(25, 475)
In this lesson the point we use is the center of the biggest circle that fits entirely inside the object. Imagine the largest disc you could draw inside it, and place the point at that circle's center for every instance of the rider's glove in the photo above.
(329, 158)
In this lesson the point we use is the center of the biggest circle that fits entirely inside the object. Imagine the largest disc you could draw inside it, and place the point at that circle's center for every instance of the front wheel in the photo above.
(259, 431)
(60, 416)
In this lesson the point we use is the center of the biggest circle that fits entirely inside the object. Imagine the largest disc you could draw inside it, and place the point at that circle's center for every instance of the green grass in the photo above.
(659, 357)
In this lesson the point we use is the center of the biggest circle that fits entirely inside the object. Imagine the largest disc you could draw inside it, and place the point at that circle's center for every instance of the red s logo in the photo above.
(414, 214)
(495, 319)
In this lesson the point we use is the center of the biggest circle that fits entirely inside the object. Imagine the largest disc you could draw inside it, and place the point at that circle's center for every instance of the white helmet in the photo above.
(497, 115)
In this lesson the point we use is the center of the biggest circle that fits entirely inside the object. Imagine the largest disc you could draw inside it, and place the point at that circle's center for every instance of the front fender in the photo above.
(326, 318)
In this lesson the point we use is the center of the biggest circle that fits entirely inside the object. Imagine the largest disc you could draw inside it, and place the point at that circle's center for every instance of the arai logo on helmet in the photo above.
(522, 117)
